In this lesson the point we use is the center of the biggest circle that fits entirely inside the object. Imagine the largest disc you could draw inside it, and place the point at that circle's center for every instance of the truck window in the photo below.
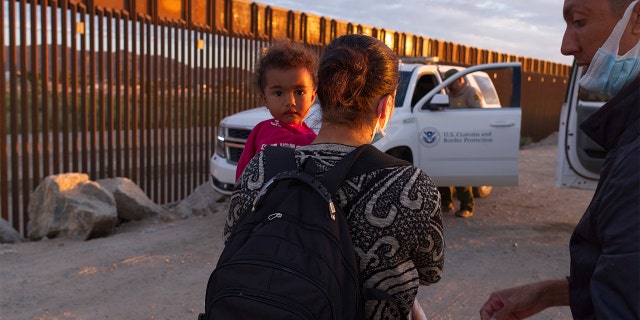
(424, 85)
(403, 85)
(586, 95)
(486, 87)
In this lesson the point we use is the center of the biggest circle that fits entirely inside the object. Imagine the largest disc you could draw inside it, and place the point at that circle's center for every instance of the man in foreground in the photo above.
(604, 281)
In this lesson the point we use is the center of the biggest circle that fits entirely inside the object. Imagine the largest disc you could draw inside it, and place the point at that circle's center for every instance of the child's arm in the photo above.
(249, 151)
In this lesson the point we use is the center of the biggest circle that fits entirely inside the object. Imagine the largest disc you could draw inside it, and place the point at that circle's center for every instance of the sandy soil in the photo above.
(154, 270)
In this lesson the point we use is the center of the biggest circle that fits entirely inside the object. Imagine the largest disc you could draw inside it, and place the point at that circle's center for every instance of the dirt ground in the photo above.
(154, 270)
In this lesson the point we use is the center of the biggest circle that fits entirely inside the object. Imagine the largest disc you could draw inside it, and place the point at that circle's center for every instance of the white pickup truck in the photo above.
(456, 147)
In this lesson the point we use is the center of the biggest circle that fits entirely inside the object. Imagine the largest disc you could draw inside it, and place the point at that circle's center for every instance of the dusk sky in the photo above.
(531, 28)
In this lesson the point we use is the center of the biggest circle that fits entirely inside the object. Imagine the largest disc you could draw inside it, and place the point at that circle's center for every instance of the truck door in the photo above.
(579, 157)
(470, 146)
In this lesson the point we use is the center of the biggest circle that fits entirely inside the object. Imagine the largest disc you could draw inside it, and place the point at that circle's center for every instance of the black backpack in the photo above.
(292, 256)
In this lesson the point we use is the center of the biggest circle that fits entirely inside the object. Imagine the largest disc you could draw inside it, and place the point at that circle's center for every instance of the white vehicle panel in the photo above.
(222, 170)
(250, 118)
(470, 146)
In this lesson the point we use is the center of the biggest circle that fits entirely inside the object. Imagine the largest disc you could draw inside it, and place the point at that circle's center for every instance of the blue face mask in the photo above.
(609, 73)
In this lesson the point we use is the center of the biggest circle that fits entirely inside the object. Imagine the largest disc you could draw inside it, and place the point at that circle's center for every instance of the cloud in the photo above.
(531, 28)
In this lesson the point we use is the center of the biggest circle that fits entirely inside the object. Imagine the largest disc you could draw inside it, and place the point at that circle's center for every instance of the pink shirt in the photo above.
(273, 133)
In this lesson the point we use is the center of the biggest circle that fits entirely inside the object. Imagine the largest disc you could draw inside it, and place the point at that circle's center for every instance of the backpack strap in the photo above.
(371, 158)
(363, 159)
(278, 159)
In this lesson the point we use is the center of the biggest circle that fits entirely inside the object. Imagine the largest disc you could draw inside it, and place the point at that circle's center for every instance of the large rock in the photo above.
(7, 233)
(71, 204)
(200, 202)
(131, 201)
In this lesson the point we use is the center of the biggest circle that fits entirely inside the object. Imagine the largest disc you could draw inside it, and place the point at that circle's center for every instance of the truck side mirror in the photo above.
(437, 103)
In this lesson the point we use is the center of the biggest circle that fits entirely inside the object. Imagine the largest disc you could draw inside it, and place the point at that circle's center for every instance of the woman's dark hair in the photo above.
(354, 71)
(285, 55)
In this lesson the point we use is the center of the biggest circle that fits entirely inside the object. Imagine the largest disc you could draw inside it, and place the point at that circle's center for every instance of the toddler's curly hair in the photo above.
(285, 55)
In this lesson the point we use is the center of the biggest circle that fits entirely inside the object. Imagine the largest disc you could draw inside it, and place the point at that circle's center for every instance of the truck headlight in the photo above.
(220, 149)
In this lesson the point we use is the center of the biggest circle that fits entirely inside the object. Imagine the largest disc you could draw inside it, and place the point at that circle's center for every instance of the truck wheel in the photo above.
(482, 191)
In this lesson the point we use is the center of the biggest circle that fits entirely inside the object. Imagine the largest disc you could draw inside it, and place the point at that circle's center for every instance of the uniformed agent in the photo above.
(461, 94)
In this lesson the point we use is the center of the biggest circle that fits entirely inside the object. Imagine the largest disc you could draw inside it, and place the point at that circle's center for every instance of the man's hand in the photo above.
(524, 301)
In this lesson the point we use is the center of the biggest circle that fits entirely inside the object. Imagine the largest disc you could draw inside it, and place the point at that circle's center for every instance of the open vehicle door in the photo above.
(470, 146)
(579, 157)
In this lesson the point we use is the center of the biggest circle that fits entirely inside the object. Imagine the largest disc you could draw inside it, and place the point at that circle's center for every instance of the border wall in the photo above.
(123, 88)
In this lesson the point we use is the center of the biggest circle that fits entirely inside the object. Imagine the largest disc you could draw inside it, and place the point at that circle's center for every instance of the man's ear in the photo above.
(631, 35)
(634, 21)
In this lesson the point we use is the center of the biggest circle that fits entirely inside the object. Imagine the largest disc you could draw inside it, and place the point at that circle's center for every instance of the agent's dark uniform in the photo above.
(463, 194)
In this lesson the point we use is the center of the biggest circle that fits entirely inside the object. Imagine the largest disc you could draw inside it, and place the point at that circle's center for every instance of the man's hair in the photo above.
(285, 55)
(449, 73)
(618, 6)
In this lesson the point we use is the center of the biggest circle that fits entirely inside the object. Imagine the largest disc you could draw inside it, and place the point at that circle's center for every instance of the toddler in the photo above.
(286, 79)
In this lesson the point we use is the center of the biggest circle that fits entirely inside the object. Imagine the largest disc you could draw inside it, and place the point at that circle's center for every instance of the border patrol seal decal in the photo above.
(429, 137)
